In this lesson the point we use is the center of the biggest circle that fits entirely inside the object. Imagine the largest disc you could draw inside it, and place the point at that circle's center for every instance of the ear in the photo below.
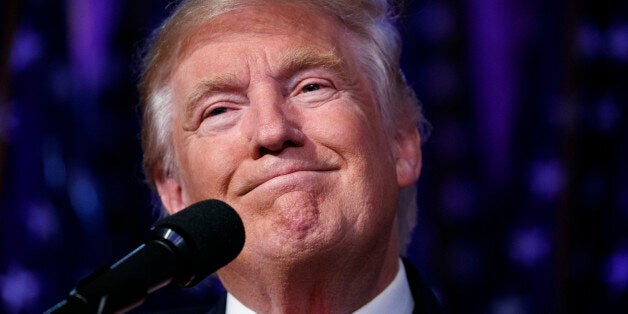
(169, 191)
(408, 159)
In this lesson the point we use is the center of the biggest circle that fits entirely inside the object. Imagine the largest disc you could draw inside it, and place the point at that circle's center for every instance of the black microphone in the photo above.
(182, 249)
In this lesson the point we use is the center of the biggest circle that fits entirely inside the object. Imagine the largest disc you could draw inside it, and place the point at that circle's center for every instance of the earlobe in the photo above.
(409, 159)
(170, 192)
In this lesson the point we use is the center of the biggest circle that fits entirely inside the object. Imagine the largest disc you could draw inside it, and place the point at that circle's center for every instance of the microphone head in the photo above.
(213, 235)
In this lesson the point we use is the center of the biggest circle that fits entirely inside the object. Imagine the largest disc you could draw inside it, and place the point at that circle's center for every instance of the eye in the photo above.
(310, 88)
(217, 111)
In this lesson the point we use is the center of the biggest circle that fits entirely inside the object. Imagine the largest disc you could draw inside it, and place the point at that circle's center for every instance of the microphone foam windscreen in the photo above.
(213, 233)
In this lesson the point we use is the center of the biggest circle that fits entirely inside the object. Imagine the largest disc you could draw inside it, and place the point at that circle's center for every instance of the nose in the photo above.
(271, 125)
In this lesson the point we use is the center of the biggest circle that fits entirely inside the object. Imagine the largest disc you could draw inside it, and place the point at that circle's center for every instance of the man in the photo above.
(297, 115)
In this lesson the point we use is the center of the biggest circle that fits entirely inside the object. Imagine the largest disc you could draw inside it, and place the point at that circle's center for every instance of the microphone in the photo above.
(182, 249)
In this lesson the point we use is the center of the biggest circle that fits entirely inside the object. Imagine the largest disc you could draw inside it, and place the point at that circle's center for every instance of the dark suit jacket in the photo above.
(424, 300)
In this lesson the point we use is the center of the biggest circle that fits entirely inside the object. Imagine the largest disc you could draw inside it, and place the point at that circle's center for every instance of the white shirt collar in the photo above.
(234, 306)
(396, 298)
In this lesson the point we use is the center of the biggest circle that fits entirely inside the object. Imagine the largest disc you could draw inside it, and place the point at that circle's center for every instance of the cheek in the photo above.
(355, 133)
(206, 167)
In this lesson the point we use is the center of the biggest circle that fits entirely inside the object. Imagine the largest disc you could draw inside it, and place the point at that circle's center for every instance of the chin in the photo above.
(283, 245)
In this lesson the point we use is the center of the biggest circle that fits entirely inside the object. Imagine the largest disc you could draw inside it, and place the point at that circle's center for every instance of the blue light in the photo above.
(85, 200)
(20, 289)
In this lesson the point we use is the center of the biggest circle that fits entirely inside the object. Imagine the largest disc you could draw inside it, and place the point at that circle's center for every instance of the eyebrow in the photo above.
(205, 88)
(302, 59)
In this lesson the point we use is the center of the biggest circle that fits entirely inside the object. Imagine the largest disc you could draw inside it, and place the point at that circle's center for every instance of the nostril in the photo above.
(264, 151)
(269, 150)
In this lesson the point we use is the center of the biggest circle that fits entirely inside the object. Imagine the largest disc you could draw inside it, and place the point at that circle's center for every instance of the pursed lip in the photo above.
(270, 171)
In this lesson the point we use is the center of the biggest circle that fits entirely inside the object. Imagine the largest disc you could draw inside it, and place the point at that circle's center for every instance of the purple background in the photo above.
(524, 193)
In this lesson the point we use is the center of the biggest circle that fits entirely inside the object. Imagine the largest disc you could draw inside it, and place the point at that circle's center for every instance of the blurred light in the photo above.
(9, 122)
(607, 114)
(494, 84)
(547, 178)
(85, 200)
(618, 42)
(616, 271)
(528, 247)
(89, 28)
(20, 289)
(27, 48)
(41, 221)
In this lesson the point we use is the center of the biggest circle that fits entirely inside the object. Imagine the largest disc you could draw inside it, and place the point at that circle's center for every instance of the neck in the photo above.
(320, 285)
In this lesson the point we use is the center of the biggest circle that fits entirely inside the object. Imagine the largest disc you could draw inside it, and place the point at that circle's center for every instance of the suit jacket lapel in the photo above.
(424, 300)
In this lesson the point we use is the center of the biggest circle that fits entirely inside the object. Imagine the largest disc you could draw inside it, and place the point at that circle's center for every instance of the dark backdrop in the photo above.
(524, 193)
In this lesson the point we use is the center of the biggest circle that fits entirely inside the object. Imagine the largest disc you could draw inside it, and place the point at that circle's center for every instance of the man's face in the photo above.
(273, 116)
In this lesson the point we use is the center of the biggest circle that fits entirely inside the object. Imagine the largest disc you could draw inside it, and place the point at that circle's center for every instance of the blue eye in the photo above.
(311, 88)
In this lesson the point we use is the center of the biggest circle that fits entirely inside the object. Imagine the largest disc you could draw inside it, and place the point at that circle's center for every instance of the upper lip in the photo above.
(278, 167)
